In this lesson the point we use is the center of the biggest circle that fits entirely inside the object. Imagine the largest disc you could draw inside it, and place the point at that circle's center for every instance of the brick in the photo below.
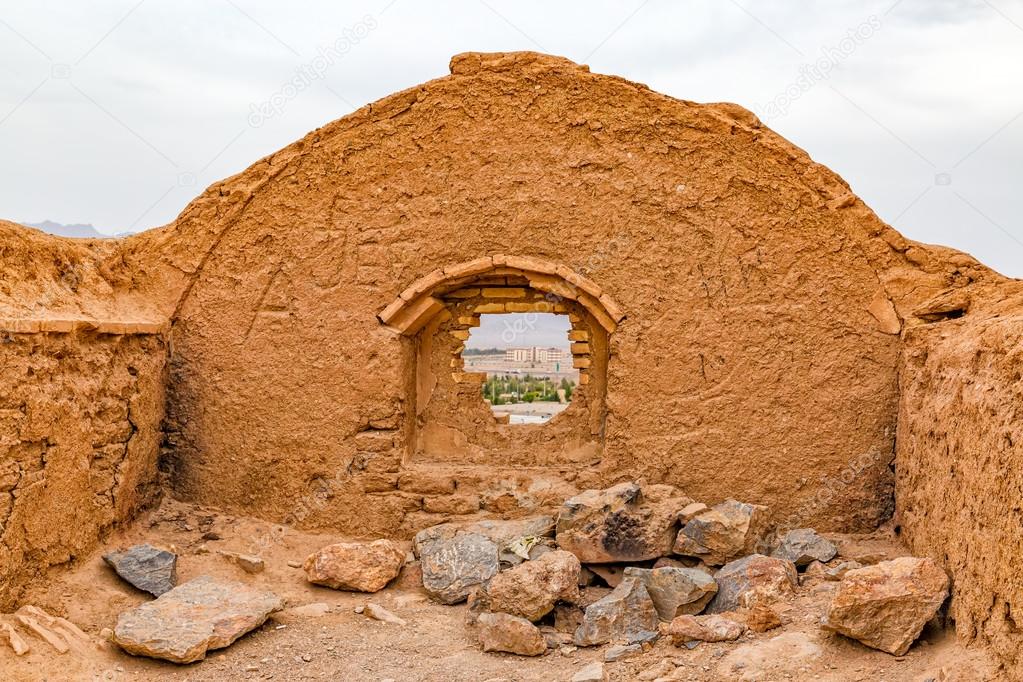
(505, 271)
(612, 308)
(579, 348)
(391, 421)
(579, 281)
(460, 334)
(57, 326)
(580, 362)
(422, 285)
(415, 315)
(378, 482)
(374, 441)
(474, 267)
(392, 310)
(584, 378)
(147, 327)
(469, 321)
(115, 328)
(532, 264)
(596, 308)
(531, 307)
(427, 483)
(553, 284)
(504, 292)
(452, 504)
(462, 293)
(578, 334)
(490, 308)
(18, 326)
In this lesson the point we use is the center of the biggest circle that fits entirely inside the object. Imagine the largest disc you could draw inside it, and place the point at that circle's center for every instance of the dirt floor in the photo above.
(340, 644)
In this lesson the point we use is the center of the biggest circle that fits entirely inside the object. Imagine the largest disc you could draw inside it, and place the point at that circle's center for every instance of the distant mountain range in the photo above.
(79, 231)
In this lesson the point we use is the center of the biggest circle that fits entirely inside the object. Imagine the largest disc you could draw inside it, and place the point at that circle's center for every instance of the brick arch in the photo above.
(419, 302)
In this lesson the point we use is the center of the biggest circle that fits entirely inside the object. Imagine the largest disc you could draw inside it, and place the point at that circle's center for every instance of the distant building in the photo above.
(535, 354)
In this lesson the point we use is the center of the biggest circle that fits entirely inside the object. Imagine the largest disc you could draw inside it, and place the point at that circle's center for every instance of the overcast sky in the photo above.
(118, 113)
(520, 329)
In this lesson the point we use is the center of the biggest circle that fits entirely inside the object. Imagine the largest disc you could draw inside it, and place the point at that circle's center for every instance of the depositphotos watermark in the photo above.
(310, 72)
(812, 73)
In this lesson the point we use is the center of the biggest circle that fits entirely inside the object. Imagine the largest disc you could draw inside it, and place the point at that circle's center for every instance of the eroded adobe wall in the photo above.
(80, 415)
(764, 302)
(960, 464)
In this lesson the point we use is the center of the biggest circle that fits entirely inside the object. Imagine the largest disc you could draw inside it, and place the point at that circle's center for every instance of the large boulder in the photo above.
(623, 523)
(454, 562)
(145, 567)
(802, 546)
(511, 634)
(627, 614)
(753, 580)
(505, 534)
(709, 628)
(886, 606)
(531, 589)
(676, 591)
(724, 532)
(355, 566)
(202, 614)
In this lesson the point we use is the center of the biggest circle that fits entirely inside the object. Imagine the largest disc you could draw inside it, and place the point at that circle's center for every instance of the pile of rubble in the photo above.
(674, 567)
(621, 567)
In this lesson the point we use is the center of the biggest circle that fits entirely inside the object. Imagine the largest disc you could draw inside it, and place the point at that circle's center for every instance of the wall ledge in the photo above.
(74, 325)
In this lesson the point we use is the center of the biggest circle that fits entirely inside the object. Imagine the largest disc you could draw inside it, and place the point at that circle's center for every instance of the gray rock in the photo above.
(145, 567)
(626, 614)
(753, 580)
(803, 545)
(625, 522)
(724, 532)
(186, 622)
(504, 534)
(676, 591)
(454, 562)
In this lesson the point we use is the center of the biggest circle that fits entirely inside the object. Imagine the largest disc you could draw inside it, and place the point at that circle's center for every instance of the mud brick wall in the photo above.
(959, 491)
(80, 412)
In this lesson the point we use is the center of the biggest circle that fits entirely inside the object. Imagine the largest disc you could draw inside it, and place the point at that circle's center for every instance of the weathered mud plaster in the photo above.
(755, 307)
(762, 301)
(80, 416)
(960, 459)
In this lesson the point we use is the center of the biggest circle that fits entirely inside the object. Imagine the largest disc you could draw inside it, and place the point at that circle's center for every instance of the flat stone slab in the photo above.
(803, 546)
(145, 567)
(186, 622)
(454, 562)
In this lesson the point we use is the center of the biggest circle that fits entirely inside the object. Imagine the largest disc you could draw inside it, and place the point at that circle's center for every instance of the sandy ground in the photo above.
(435, 644)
